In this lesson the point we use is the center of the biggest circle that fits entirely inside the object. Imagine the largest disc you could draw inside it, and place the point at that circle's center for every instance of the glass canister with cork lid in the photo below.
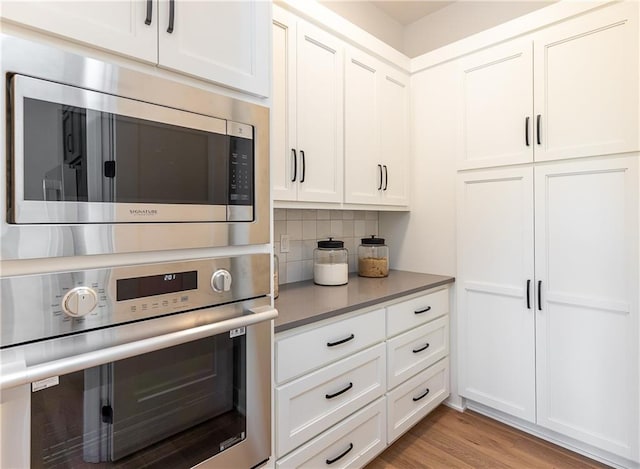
(330, 263)
(373, 258)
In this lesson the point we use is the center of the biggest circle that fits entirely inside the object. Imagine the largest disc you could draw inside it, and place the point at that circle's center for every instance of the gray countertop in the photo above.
(302, 303)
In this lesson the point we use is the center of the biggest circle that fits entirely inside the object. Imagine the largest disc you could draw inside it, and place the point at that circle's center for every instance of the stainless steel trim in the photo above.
(119, 352)
(239, 212)
(30, 241)
(236, 129)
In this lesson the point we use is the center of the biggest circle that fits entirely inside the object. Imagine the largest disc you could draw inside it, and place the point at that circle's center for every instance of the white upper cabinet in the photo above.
(307, 135)
(586, 85)
(376, 132)
(566, 91)
(128, 27)
(222, 42)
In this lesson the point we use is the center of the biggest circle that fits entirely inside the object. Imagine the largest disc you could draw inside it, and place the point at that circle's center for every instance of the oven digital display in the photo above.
(140, 287)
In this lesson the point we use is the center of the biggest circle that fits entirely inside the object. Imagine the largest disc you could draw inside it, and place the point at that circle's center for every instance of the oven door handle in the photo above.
(68, 365)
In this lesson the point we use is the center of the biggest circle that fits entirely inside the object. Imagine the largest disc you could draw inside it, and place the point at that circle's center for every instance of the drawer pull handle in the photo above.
(342, 341)
(418, 350)
(342, 391)
(420, 311)
(331, 461)
(424, 394)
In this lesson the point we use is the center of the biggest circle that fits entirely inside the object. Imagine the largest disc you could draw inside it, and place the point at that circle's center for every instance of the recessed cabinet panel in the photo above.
(496, 106)
(586, 85)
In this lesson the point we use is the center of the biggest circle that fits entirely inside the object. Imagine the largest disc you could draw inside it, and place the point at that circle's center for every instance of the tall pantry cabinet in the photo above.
(548, 230)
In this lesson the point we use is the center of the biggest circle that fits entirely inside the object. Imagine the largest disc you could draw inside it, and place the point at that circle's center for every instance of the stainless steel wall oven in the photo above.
(100, 157)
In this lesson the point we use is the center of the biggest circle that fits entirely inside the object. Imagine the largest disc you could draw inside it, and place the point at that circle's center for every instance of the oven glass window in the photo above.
(75, 154)
(172, 408)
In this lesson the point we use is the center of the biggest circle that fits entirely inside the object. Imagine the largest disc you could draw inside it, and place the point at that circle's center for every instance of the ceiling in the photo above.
(407, 12)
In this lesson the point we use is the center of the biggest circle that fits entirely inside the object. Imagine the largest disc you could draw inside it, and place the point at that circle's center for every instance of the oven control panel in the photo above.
(78, 301)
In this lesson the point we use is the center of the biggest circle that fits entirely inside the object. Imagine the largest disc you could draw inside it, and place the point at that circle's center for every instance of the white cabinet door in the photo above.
(495, 267)
(586, 85)
(319, 115)
(394, 136)
(587, 322)
(284, 157)
(363, 167)
(116, 26)
(226, 42)
(496, 105)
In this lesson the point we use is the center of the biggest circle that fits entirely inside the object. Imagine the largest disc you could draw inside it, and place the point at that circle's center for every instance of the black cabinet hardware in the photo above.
(424, 394)
(147, 20)
(341, 341)
(420, 311)
(386, 177)
(337, 458)
(342, 391)
(424, 347)
(526, 130)
(380, 173)
(107, 414)
(110, 169)
(539, 295)
(304, 165)
(295, 164)
(538, 117)
(528, 294)
(172, 11)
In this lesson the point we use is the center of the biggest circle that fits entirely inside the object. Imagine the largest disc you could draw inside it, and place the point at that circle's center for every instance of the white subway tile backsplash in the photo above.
(306, 227)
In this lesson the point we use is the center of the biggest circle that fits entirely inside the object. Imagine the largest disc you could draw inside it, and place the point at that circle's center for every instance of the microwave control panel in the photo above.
(240, 164)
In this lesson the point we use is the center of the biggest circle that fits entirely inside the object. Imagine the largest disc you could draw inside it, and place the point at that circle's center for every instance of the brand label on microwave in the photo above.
(237, 332)
(45, 383)
(145, 212)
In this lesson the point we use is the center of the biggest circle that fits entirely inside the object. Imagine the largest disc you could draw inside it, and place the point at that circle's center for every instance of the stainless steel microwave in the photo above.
(99, 156)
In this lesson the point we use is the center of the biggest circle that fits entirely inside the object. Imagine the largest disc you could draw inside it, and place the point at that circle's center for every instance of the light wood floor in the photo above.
(450, 439)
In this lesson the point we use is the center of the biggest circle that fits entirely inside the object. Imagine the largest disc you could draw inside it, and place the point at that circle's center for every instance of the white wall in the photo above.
(371, 19)
(459, 20)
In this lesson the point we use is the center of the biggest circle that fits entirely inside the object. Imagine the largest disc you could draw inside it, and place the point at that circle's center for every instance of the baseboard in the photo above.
(456, 403)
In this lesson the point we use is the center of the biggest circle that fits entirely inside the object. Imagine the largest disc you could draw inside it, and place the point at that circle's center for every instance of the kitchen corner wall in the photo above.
(306, 227)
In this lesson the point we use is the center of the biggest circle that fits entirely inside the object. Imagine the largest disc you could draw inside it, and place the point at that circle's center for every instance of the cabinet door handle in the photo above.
(147, 20)
(295, 164)
(528, 294)
(424, 394)
(380, 174)
(539, 295)
(304, 165)
(424, 347)
(526, 130)
(341, 341)
(172, 11)
(420, 311)
(342, 391)
(538, 118)
(386, 177)
(337, 458)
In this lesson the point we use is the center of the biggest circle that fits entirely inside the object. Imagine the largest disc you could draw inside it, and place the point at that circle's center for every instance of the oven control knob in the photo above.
(221, 281)
(79, 301)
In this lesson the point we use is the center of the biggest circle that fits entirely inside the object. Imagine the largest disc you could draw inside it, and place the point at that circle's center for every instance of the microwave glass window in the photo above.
(82, 155)
(171, 408)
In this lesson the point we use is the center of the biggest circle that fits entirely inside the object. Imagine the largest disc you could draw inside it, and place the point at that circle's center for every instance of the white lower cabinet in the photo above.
(348, 387)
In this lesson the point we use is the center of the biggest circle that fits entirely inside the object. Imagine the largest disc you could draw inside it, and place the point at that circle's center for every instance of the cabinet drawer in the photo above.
(411, 401)
(301, 353)
(308, 406)
(413, 351)
(412, 313)
(360, 438)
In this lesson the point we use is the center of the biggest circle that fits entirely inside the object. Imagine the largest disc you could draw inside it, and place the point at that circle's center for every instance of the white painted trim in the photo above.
(320, 15)
(455, 402)
(511, 29)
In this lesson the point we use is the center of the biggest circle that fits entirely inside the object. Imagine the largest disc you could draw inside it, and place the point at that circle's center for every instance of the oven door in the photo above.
(205, 402)
(80, 156)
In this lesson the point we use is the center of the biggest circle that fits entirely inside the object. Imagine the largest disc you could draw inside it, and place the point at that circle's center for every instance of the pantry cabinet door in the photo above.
(495, 280)
(226, 42)
(495, 106)
(363, 165)
(284, 155)
(587, 321)
(394, 136)
(586, 85)
(320, 80)
(118, 27)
